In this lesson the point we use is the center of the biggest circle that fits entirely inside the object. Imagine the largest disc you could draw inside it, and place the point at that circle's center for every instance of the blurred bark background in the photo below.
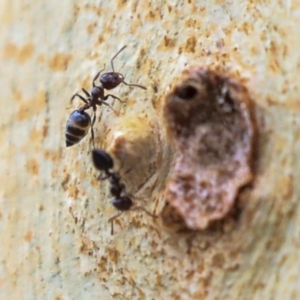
(55, 237)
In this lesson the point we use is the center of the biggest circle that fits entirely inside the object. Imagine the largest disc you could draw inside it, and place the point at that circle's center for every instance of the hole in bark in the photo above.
(186, 93)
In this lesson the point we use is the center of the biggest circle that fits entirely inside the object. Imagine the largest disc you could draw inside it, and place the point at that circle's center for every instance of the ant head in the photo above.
(102, 160)
(97, 92)
(111, 80)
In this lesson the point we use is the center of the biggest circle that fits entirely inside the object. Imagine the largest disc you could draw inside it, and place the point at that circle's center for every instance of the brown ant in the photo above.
(111, 80)
(122, 202)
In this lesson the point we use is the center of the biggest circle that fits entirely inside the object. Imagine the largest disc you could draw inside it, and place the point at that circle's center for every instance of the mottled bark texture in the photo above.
(55, 234)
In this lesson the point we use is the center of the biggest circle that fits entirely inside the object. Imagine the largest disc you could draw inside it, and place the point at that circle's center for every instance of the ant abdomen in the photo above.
(97, 92)
(122, 203)
(77, 127)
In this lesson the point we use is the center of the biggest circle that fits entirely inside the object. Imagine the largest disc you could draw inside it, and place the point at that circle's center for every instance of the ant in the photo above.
(75, 131)
(95, 98)
(121, 201)
(111, 80)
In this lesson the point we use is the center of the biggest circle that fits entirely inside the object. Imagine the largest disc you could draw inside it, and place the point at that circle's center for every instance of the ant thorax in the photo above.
(97, 92)
(116, 188)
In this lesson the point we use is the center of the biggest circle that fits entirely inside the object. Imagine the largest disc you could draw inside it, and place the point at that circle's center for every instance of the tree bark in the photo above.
(56, 241)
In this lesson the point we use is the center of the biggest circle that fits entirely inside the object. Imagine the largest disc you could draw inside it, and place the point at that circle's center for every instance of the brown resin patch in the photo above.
(208, 120)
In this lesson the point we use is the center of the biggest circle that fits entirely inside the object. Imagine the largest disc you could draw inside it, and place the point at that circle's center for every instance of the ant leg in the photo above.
(112, 64)
(85, 107)
(93, 137)
(102, 102)
(94, 116)
(112, 221)
(103, 177)
(144, 210)
(86, 92)
(97, 76)
(92, 128)
(137, 85)
(79, 96)
(113, 96)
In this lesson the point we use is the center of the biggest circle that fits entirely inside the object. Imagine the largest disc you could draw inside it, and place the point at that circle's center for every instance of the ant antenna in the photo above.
(137, 85)
(112, 64)
(97, 75)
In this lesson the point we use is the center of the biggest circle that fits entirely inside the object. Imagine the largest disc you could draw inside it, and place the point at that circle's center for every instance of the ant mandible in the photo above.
(104, 163)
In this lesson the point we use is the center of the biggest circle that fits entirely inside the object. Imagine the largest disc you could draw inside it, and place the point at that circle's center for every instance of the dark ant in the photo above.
(111, 80)
(75, 131)
(94, 99)
(121, 201)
